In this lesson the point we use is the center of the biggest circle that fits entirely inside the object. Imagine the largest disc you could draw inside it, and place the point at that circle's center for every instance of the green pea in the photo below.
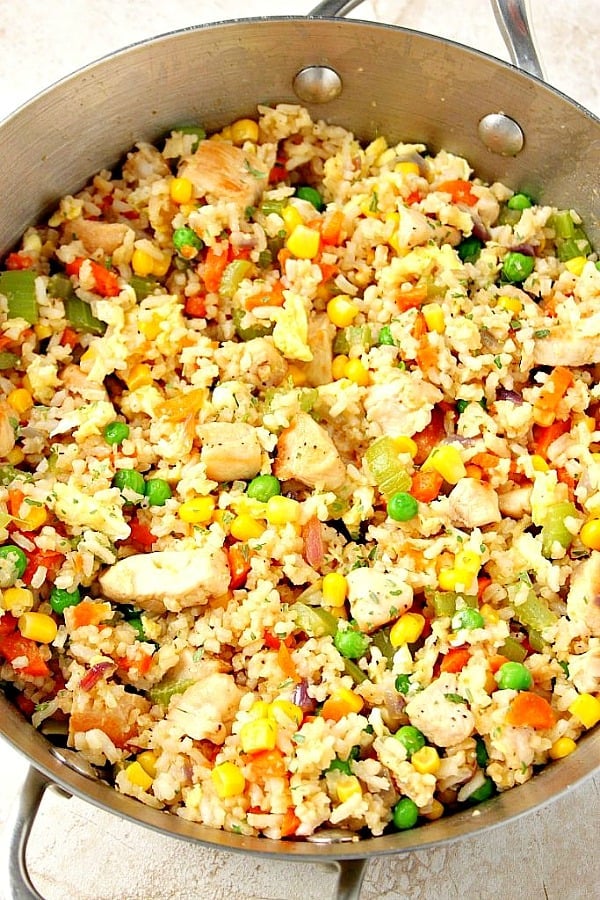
(116, 432)
(402, 507)
(129, 480)
(263, 487)
(402, 684)
(350, 643)
(405, 814)
(312, 195)
(411, 739)
(519, 201)
(186, 237)
(386, 338)
(481, 754)
(136, 624)
(18, 560)
(461, 405)
(467, 618)
(60, 599)
(158, 491)
(487, 790)
(513, 676)
(469, 249)
(517, 266)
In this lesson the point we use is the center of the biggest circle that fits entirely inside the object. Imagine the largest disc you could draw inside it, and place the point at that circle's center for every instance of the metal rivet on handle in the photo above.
(317, 84)
(501, 134)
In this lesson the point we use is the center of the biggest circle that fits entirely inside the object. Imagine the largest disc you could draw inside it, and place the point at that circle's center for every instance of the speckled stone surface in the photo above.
(81, 853)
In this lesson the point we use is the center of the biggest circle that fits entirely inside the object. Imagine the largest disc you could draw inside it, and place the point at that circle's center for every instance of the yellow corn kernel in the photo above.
(181, 190)
(88, 359)
(142, 263)
(161, 266)
(511, 304)
(376, 148)
(228, 780)
(257, 735)
(426, 761)
(355, 371)
(345, 702)
(260, 709)
(407, 629)
(34, 518)
(436, 811)
(447, 461)
(405, 444)
(38, 627)
(562, 747)
(434, 317)
(244, 130)
(575, 265)
(590, 534)
(342, 311)
(138, 776)
(298, 375)
(147, 760)
(469, 560)
(139, 376)
(347, 786)
(197, 511)
(42, 331)
(304, 242)
(586, 708)
(15, 456)
(335, 589)
(282, 510)
(407, 168)
(538, 463)
(244, 527)
(286, 708)
(489, 614)
(452, 579)
(150, 328)
(225, 133)
(20, 400)
(291, 217)
(338, 367)
(17, 599)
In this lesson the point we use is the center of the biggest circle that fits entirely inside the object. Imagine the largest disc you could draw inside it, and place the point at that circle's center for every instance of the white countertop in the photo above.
(81, 853)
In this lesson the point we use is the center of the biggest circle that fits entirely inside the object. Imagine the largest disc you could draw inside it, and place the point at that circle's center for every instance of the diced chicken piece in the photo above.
(443, 721)
(76, 380)
(515, 503)
(584, 671)
(145, 164)
(306, 453)
(230, 451)
(221, 172)
(259, 359)
(167, 579)
(321, 333)
(206, 709)
(583, 599)
(8, 422)
(105, 236)
(376, 598)
(118, 722)
(473, 504)
(413, 228)
(402, 404)
(565, 347)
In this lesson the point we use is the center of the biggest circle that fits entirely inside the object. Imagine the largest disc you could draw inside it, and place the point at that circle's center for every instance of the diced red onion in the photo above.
(458, 439)
(513, 396)
(95, 673)
(480, 231)
(300, 698)
(525, 249)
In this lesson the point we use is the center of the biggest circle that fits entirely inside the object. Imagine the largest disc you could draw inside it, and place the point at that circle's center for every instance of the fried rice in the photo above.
(300, 479)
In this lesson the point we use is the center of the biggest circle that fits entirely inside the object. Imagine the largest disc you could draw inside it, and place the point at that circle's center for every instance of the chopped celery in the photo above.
(354, 336)
(60, 286)
(385, 467)
(233, 275)
(164, 690)
(77, 312)
(268, 206)
(307, 399)
(9, 473)
(8, 360)
(142, 286)
(18, 287)
(381, 640)
(554, 528)
(571, 239)
(444, 602)
(513, 650)
(534, 612)
(536, 640)
(313, 620)
(250, 331)
(355, 672)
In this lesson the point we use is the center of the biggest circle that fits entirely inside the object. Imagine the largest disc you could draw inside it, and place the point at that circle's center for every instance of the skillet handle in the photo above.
(13, 864)
(512, 18)
(350, 878)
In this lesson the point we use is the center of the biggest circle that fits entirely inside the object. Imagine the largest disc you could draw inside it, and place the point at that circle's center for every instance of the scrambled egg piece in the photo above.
(102, 511)
(290, 334)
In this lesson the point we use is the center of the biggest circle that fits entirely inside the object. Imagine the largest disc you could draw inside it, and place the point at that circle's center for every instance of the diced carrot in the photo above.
(566, 478)
(328, 270)
(142, 662)
(420, 327)
(544, 435)
(283, 256)
(15, 499)
(69, 337)
(494, 662)
(18, 261)
(290, 823)
(412, 298)
(195, 306)
(483, 582)
(182, 405)
(51, 560)
(278, 171)
(312, 534)
(238, 557)
(340, 704)
(8, 624)
(271, 297)
(426, 486)
(455, 659)
(529, 709)
(14, 646)
(214, 266)
(287, 664)
(430, 437)
(413, 197)
(267, 764)
(459, 190)
(427, 355)
(105, 282)
(270, 640)
(485, 460)
(558, 383)
(331, 228)
(141, 535)
(473, 471)
(86, 613)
